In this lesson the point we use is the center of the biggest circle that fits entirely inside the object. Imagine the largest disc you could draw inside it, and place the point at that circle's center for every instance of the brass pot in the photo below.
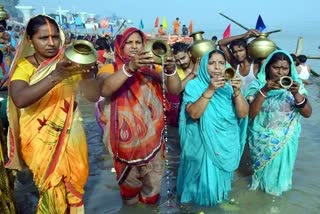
(159, 48)
(261, 47)
(286, 82)
(3, 13)
(81, 52)
(229, 73)
(200, 46)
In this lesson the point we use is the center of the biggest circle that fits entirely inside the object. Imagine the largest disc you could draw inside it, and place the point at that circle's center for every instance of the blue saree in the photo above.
(211, 147)
(274, 135)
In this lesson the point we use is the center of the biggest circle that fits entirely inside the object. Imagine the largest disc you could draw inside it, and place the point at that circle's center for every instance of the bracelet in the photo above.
(125, 72)
(262, 94)
(208, 98)
(236, 94)
(302, 104)
(169, 75)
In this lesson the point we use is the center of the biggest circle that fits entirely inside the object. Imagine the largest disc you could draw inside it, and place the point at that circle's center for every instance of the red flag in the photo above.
(190, 27)
(227, 32)
(156, 24)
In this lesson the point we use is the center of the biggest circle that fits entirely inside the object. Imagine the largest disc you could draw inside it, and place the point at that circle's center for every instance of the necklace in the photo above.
(35, 58)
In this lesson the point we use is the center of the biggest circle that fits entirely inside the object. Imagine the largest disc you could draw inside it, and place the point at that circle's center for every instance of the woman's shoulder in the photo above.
(23, 62)
(107, 68)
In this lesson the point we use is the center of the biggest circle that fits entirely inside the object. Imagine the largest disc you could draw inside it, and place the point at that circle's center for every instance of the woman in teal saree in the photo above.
(210, 135)
(275, 128)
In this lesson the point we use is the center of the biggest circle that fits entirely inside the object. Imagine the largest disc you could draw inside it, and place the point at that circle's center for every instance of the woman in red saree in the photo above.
(134, 116)
(45, 128)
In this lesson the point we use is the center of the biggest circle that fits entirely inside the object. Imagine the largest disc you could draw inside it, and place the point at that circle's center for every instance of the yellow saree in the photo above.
(49, 139)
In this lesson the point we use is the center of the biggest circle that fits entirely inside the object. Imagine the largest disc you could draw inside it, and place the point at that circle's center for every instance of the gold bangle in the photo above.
(208, 98)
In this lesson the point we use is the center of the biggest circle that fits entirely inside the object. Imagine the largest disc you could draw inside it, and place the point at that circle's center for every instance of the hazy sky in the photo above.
(275, 13)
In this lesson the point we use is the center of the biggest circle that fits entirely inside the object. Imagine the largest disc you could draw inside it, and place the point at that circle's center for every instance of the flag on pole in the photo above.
(227, 32)
(260, 25)
(111, 29)
(156, 24)
(141, 26)
(164, 23)
(190, 27)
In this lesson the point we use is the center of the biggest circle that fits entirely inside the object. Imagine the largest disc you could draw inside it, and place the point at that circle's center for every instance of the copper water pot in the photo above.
(200, 46)
(261, 47)
(160, 50)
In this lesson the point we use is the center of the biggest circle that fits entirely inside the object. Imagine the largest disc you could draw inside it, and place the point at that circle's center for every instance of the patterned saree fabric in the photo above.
(48, 136)
(134, 115)
(274, 135)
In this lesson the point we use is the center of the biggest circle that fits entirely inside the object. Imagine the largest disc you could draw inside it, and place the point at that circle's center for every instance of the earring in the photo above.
(31, 45)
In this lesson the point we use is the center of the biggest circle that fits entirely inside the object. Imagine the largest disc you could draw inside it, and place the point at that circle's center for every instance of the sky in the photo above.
(204, 13)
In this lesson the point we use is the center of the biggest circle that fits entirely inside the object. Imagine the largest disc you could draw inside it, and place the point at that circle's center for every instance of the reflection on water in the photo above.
(102, 192)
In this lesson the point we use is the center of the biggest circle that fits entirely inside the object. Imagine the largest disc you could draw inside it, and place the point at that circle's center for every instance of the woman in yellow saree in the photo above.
(45, 128)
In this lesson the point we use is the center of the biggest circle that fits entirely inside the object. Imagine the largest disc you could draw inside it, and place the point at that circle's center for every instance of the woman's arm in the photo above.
(110, 83)
(24, 95)
(242, 107)
(197, 108)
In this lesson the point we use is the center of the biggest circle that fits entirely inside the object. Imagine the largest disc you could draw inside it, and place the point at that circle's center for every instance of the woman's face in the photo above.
(279, 69)
(216, 65)
(133, 45)
(46, 41)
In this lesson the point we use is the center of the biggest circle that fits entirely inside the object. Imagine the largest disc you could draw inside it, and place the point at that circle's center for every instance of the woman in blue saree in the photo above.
(275, 128)
(210, 135)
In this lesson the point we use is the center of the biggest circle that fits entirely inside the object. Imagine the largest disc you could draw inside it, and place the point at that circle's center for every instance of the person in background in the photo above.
(187, 70)
(304, 69)
(134, 116)
(45, 125)
(210, 136)
(214, 39)
(185, 30)
(176, 27)
(161, 31)
(6, 48)
(237, 57)
(275, 127)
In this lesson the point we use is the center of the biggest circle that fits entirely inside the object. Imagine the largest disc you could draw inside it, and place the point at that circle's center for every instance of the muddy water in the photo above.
(102, 192)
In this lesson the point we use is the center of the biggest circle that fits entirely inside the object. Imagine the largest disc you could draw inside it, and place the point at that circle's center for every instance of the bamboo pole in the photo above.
(299, 46)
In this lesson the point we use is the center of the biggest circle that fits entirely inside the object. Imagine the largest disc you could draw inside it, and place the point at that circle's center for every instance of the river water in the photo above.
(102, 192)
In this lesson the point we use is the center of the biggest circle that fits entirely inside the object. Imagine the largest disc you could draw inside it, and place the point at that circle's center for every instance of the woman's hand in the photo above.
(294, 89)
(271, 85)
(170, 65)
(143, 58)
(236, 83)
(217, 82)
(66, 69)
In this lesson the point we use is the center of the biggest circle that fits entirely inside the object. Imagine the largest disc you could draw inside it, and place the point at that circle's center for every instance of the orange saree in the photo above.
(49, 139)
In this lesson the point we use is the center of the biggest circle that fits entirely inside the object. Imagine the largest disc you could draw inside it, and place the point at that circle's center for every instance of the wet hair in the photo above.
(3, 23)
(239, 43)
(275, 58)
(295, 59)
(214, 38)
(38, 21)
(217, 52)
(302, 58)
(102, 44)
(179, 47)
(9, 28)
